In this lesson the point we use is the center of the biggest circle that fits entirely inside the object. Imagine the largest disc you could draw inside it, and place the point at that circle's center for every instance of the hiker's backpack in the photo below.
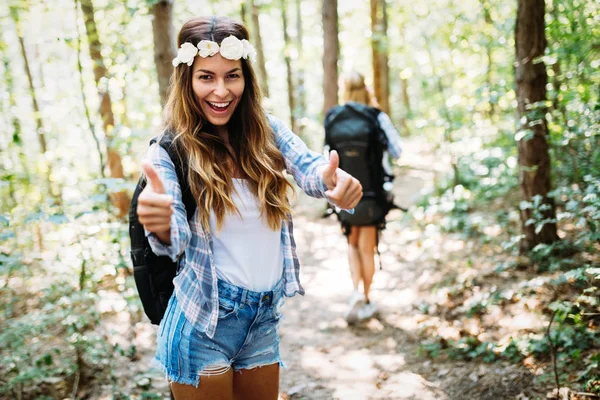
(154, 274)
(354, 131)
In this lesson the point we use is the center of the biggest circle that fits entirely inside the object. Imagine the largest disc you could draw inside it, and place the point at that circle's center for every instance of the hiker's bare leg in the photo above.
(354, 256)
(214, 387)
(260, 383)
(366, 246)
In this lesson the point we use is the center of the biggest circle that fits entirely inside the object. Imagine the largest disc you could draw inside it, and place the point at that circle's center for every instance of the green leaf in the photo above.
(524, 134)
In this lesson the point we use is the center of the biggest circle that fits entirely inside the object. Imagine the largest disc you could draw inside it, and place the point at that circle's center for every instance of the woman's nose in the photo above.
(221, 90)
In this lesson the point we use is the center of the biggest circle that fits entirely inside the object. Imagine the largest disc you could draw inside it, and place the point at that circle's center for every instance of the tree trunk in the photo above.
(119, 199)
(40, 65)
(260, 55)
(331, 49)
(39, 125)
(53, 188)
(404, 96)
(487, 16)
(379, 50)
(164, 45)
(124, 115)
(83, 96)
(15, 139)
(288, 66)
(406, 104)
(534, 158)
(244, 13)
(300, 89)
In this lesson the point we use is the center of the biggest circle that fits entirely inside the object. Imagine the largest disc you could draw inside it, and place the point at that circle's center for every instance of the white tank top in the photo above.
(246, 251)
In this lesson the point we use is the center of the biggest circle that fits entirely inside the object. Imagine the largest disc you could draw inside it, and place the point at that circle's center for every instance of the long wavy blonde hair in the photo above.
(250, 135)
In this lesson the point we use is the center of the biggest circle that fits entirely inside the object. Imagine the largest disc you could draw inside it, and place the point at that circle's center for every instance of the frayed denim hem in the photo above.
(239, 368)
(194, 381)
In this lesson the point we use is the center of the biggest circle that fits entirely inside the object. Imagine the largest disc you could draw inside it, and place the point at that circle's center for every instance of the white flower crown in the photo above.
(231, 48)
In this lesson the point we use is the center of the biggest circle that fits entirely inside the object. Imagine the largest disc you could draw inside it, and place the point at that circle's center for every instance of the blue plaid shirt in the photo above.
(196, 283)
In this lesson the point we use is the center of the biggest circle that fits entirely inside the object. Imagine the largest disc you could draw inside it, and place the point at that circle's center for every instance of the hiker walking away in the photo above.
(363, 135)
(218, 338)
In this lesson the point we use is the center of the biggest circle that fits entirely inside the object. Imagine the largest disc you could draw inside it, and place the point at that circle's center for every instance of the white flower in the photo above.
(208, 48)
(185, 54)
(232, 48)
(249, 51)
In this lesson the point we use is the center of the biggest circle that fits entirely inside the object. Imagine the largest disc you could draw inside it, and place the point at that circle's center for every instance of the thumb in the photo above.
(153, 178)
(329, 171)
(334, 163)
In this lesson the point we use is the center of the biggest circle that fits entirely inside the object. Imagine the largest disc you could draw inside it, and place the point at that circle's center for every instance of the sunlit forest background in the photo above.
(502, 96)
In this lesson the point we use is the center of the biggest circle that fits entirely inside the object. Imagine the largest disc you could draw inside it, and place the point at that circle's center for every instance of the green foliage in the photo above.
(52, 335)
(553, 257)
(512, 352)
(431, 349)
(569, 341)
(54, 342)
(582, 209)
(538, 207)
(469, 348)
(591, 375)
(481, 192)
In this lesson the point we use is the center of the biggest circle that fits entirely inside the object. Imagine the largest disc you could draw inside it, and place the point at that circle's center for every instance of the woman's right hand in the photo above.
(154, 206)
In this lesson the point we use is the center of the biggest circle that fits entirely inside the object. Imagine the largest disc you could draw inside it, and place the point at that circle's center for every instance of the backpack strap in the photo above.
(329, 118)
(179, 160)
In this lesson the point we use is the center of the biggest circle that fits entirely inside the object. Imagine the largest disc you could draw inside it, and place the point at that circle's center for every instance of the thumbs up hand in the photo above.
(344, 190)
(154, 205)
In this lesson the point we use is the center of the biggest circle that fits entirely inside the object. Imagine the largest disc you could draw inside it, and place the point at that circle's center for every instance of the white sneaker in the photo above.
(357, 301)
(367, 311)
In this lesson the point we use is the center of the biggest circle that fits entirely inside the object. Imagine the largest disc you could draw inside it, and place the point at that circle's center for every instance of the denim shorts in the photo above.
(247, 336)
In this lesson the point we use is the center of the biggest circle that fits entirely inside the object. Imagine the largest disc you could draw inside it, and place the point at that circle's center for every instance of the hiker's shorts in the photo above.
(246, 336)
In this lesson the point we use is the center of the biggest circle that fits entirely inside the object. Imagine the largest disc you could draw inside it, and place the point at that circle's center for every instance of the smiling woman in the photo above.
(236, 254)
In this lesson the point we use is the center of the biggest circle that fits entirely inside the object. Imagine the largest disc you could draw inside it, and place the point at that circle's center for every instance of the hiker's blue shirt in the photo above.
(196, 282)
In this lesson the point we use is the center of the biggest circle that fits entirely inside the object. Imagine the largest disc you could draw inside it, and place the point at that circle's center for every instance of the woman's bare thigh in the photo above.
(367, 238)
(257, 384)
(214, 387)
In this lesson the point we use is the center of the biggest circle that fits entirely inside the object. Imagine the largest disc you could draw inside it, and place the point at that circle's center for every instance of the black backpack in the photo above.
(154, 274)
(354, 131)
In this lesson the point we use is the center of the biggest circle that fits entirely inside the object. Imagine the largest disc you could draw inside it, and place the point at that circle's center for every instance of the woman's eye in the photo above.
(233, 76)
(204, 77)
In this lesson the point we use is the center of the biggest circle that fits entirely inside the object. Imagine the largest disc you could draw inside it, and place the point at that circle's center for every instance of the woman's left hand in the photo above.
(343, 189)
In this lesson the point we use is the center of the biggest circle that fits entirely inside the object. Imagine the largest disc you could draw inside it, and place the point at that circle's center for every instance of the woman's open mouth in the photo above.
(219, 108)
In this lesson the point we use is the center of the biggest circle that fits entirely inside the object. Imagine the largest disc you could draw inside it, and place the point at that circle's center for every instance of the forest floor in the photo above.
(383, 358)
